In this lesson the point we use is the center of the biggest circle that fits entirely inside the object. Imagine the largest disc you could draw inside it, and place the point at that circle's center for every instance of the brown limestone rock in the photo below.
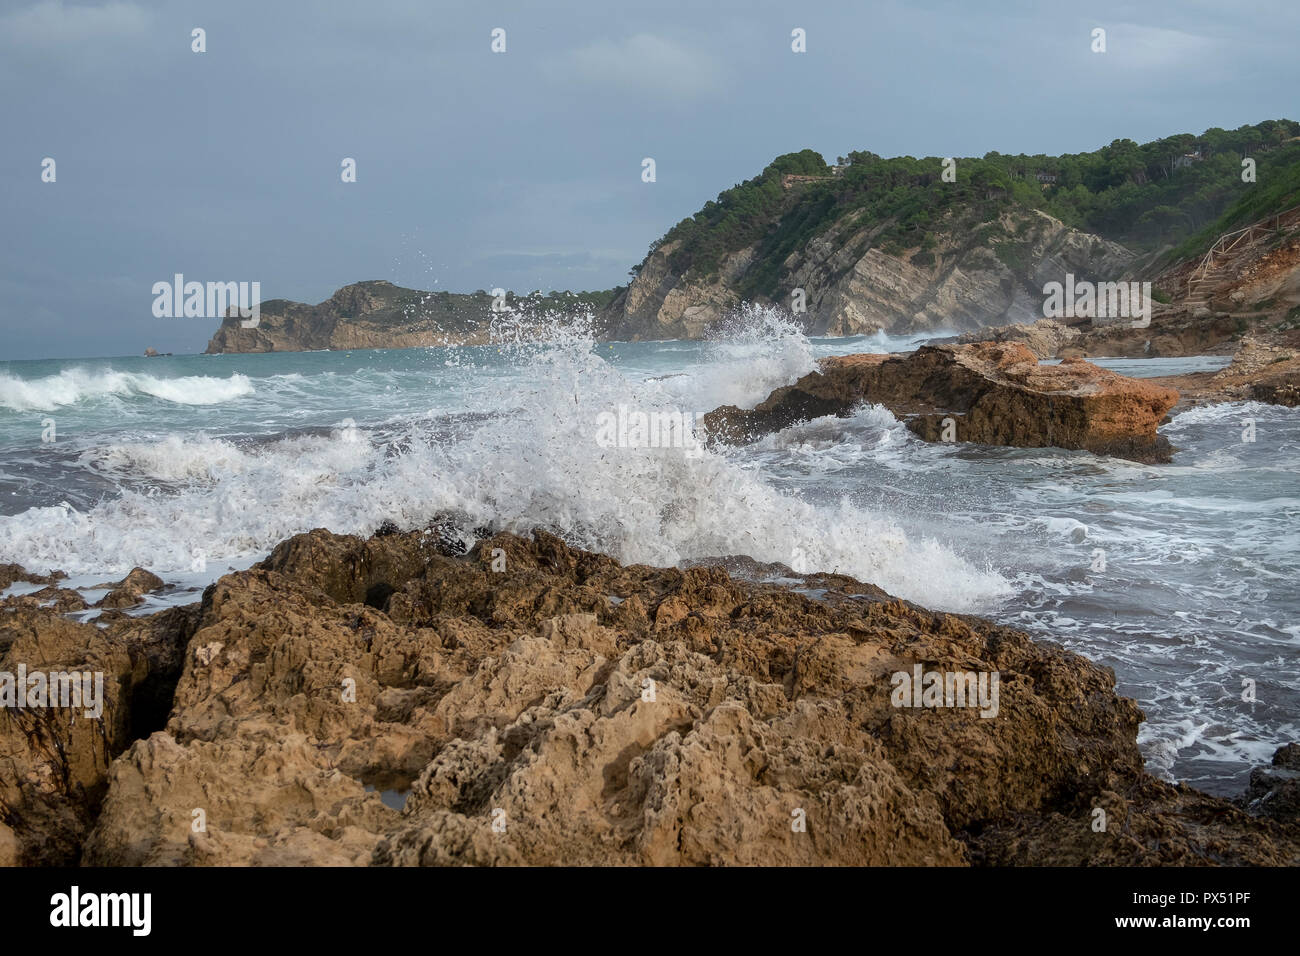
(54, 760)
(129, 591)
(993, 394)
(571, 710)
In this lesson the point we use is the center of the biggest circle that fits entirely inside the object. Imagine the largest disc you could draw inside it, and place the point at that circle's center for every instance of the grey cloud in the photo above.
(477, 169)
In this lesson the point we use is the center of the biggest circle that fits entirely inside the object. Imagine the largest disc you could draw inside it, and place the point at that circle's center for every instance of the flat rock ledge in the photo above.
(989, 393)
(391, 701)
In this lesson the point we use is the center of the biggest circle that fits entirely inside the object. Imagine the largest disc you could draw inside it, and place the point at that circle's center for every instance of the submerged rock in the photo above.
(569, 709)
(14, 573)
(1274, 791)
(989, 393)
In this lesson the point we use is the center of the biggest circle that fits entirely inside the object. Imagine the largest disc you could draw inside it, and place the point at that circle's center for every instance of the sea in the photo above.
(1180, 577)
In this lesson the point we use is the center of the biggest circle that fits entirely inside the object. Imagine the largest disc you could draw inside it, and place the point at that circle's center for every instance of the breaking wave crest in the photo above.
(534, 461)
(74, 385)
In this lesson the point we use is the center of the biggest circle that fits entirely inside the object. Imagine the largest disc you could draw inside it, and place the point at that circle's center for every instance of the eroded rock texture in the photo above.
(993, 393)
(54, 761)
(572, 710)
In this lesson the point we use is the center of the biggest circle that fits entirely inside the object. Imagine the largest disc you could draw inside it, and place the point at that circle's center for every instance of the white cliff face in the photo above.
(969, 278)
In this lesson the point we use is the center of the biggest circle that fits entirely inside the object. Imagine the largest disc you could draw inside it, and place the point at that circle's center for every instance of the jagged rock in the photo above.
(1262, 372)
(992, 393)
(61, 600)
(1172, 332)
(10, 851)
(1151, 823)
(1263, 369)
(11, 573)
(129, 591)
(1287, 757)
(531, 718)
(54, 760)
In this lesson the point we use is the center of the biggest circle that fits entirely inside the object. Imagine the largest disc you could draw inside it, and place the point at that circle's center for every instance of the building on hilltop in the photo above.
(792, 179)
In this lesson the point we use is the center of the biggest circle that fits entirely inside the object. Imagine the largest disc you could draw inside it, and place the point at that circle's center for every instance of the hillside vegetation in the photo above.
(1179, 191)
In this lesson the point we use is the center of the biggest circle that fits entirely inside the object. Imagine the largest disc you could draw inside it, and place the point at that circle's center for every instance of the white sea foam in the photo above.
(174, 458)
(756, 349)
(74, 385)
(1224, 412)
(536, 463)
(1197, 590)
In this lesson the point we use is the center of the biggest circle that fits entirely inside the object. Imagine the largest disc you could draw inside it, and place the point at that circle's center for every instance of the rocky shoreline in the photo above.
(530, 703)
(988, 393)
(1261, 371)
(1265, 365)
(399, 700)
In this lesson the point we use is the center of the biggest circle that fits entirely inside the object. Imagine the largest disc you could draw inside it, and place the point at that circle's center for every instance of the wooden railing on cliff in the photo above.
(1231, 240)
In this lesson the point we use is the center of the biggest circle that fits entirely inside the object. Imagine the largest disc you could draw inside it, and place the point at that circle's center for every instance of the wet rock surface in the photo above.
(989, 393)
(130, 590)
(1274, 791)
(571, 710)
(1262, 370)
(15, 573)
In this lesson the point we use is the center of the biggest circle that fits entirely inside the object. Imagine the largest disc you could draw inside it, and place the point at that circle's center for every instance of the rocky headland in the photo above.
(380, 315)
(906, 245)
(397, 701)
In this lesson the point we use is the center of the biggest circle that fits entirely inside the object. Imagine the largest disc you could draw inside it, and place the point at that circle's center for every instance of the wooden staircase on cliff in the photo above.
(1221, 261)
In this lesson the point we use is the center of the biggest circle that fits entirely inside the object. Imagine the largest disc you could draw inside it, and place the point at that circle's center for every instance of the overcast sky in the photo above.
(522, 169)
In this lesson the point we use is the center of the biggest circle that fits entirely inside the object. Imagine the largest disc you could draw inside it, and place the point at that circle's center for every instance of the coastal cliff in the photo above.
(906, 245)
(972, 274)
